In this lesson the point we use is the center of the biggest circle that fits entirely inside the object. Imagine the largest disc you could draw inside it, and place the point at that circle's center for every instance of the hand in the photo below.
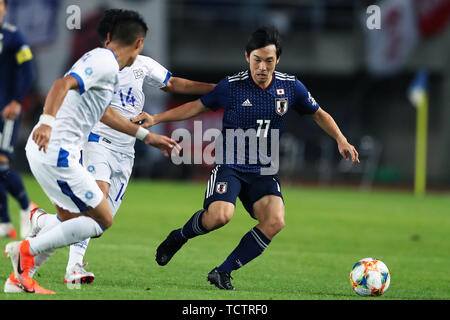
(145, 120)
(11, 111)
(348, 151)
(163, 143)
(42, 136)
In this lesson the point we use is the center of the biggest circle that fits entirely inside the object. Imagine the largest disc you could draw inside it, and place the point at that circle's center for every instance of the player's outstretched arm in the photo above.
(114, 120)
(327, 123)
(53, 102)
(183, 112)
(185, 86)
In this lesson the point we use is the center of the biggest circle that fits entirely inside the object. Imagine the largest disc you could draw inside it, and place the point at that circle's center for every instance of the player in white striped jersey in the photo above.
(109, 154)
(73, 106)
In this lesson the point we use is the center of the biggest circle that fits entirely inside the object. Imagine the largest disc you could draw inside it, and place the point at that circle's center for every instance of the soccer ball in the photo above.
(370, 277)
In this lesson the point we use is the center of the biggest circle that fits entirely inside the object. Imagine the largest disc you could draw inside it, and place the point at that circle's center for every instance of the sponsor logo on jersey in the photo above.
(247, 103)
(281, 105)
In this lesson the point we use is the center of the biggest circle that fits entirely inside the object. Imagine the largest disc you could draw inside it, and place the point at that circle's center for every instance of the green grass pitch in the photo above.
(327, 231)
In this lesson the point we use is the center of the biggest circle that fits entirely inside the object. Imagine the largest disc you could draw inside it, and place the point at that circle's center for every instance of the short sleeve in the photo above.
(94, 67)
(156, 75)
(304, 102)
(218, 97)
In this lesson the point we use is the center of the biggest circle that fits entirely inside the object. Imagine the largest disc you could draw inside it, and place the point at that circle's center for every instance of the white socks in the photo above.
(76, 253)
(47, 221)
(64, 234)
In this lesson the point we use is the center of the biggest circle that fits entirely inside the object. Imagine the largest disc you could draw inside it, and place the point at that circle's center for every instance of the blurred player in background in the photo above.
(17, 75)
(73, 106)
(258, 101)
(109, 154)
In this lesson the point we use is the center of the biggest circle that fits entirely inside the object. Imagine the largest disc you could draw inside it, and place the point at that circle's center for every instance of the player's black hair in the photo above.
(5, 2)
(263, 37)
(107, 23)
(124, 26)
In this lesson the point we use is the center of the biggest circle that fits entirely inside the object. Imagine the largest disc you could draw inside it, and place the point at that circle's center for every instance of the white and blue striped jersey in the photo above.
(129, 100)
(97, 73)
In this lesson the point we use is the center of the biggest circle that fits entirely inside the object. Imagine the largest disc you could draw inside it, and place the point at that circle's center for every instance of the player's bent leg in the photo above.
(101, 214)
(6, 227)
(220, 197)
(75, 269)
(219, 213)
(177, 238)
(269, 211)
(73, 230)
(13, 183)
(202, 222)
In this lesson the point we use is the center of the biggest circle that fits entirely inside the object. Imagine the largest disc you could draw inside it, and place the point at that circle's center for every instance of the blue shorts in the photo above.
(226, 184)
(9, 131)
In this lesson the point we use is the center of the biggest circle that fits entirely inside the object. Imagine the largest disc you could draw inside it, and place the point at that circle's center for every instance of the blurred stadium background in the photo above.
(360, 76)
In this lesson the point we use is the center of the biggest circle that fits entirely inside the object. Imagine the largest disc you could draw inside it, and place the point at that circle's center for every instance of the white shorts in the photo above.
(70, 187)
(112, 167)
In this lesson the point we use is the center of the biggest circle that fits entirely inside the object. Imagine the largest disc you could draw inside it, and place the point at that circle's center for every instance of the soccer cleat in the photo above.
(14, 286)
(220, 279)
(25, 220)
(35, 214)
(7, 230)
(22, 261)
(77, 274)
(168, 248)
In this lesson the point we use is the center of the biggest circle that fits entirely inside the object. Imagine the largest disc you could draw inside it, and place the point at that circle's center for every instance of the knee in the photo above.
(272, 225)
(107, 222)
(64, 215)
(276, 224)
(104, 224)
(221, 216)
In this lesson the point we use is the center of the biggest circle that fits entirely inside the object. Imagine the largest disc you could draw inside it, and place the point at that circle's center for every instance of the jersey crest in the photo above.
(281, 105)
(139, 74)
(221, 187)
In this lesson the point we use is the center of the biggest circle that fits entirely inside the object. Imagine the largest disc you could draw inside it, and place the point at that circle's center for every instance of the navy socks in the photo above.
(14, 185)
(252, 245)
(4, 213)
(192, 228)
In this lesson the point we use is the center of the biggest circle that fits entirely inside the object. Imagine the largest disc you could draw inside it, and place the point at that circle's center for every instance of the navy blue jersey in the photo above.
(259, 113)
(16, 69)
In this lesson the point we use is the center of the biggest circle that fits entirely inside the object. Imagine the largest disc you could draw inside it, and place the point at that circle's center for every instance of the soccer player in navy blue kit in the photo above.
(16, 77)
(257, 102)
